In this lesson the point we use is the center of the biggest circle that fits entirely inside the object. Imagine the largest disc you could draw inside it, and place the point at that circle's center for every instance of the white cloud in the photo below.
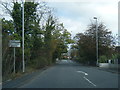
(108, 14)
(77, 15)
(73, 26)
(79, 0)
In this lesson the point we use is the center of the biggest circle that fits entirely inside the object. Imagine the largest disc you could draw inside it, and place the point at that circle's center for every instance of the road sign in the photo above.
(14, 43)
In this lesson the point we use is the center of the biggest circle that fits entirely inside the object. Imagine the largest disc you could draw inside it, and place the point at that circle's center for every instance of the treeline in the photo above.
(84, 51)
(45, 37)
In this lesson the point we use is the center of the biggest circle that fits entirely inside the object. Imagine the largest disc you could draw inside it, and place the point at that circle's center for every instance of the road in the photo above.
(69, 74)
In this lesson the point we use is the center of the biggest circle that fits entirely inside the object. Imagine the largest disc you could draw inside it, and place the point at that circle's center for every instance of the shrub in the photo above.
(114, 56)
(103, 59)
(40, 62)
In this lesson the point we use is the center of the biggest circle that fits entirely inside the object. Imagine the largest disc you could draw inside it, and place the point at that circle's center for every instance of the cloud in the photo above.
(77, 15)
(79, 0)
(73, 26)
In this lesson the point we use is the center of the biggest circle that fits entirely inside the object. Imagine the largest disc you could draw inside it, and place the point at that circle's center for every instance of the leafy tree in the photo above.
(45, 38)
(7, 53)
(87, 43)
(63, 38)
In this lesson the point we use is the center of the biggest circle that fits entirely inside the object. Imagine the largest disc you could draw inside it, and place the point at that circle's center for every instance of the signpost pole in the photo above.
(14, 59)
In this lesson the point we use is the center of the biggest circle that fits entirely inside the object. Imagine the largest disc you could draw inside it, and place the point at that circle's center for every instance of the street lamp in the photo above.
(23, 61)
(96, 41)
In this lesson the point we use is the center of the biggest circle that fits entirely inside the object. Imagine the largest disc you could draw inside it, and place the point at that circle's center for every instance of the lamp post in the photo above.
(119, 23)
(96, 41)
(23, 61)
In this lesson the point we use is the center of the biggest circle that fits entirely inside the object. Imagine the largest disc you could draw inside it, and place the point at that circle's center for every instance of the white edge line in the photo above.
(89, 81)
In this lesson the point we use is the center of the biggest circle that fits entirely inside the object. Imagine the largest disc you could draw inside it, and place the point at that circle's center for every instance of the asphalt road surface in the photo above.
(69, 74)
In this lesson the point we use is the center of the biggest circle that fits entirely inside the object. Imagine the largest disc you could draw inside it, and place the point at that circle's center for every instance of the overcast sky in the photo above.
(78, 14)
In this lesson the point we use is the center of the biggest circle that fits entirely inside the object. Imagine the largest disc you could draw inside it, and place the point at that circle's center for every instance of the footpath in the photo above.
(117, 71)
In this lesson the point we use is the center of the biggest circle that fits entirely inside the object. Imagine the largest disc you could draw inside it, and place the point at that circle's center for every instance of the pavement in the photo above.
(112, 70)
(67, 74)
(117, 71)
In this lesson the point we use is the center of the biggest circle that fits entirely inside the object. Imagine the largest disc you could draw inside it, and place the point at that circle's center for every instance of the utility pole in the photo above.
(23, 61)
(96, 41)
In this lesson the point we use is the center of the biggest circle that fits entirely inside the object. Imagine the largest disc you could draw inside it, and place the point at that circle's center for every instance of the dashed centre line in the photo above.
(89, 81)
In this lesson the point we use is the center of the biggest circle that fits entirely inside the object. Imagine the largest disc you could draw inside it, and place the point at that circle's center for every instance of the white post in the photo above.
(23, 36)
(14, 59)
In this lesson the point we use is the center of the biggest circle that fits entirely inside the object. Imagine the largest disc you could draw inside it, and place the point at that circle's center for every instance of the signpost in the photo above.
(14, 44)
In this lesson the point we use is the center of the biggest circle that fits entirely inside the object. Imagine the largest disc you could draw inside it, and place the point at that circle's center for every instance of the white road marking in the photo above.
(82, 72)
(89, 81)
(9, 80)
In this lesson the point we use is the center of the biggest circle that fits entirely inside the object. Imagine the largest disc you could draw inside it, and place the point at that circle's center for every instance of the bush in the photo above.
(102, 59)
(40, 62)
(114, 56)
